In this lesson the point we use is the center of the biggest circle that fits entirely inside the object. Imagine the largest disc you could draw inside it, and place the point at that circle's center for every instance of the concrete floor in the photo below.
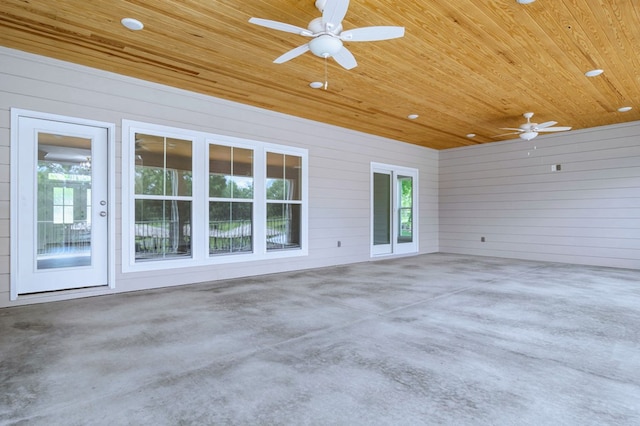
(433, 339)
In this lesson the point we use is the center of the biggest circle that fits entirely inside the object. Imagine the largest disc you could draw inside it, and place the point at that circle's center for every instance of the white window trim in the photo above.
(200, 255)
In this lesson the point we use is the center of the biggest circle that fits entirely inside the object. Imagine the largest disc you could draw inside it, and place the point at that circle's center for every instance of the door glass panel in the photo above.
(381, 209)
(64, 200)
(405, 209)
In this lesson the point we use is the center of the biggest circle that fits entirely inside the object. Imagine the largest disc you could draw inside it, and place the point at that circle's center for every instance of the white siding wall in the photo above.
(586, 213)
(339, 161)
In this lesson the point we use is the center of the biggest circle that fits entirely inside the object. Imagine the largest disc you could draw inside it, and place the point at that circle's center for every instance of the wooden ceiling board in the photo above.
(463, 66)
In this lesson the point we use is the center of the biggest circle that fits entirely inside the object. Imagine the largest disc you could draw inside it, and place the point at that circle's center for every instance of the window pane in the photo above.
(242, 173)
(162, 229)
(58, 199)
(230, 172)
(149, 180)
(178, 167)
(230, 227)
(293, 177)
(68, 196)
(283, 226)
(163, 166)
(58, 214)
(284, 177)
(275, 176)
(68, 214)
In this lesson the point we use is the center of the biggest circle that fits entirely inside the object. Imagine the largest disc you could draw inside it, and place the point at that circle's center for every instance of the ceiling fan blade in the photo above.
(280, 26)
(546, 124)
(512, 128)
(293, 53)
(372, 33)
(505, 134)
(554, 129)
(345, 58)
(334, 12)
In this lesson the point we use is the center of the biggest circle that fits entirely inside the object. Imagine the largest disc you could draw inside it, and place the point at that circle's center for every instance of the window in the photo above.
(230, 200)
(191, 198)
(62, 205)
(283, 201)
(163, 197)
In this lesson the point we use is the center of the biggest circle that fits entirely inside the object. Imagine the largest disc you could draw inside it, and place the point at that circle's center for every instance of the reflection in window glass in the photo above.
(283, 226)
(230, 172)
(63, 205)
(162, 229)
(230, 227)
(284, 177)
(163, 166)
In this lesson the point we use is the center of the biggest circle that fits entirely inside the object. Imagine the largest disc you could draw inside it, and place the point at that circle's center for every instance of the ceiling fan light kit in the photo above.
(325, 46)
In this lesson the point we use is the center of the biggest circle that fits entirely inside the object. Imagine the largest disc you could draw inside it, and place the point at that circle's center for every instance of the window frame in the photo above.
(200, 198)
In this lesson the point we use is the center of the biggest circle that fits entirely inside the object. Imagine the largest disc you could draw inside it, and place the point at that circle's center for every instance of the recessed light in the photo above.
(471, 135)
(625, 109)
(412, 116)
(525, 1)
(132, 24)
(593, 73)
(316, 84)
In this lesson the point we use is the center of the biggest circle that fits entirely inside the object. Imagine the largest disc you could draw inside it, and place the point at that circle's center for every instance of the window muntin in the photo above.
(163, 201)
(231, 195)
(284, 193)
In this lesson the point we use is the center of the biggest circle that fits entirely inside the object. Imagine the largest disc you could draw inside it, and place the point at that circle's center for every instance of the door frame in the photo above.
(16, 114)
(394, 172)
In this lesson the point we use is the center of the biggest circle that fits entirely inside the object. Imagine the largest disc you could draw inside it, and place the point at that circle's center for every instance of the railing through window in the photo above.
(156, 239)
(56, 239)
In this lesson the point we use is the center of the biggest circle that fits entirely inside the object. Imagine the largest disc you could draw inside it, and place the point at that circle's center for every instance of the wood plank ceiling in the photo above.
(463, 66)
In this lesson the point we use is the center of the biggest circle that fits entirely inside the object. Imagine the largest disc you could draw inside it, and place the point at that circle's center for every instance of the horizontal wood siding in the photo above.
(586, 213)
(339, 161)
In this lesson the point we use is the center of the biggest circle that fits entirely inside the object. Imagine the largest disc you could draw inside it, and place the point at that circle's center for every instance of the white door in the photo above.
(61, 212)
(394, 215)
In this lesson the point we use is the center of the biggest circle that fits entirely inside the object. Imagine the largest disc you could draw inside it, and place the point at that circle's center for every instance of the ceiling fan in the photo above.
(327, 35)
(529, 130)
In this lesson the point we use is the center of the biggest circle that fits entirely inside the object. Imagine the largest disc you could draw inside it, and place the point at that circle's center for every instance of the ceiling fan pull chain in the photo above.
(326, 77)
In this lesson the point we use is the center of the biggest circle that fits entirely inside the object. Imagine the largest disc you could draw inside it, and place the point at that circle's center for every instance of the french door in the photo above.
(394, 215)
(59, 205)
